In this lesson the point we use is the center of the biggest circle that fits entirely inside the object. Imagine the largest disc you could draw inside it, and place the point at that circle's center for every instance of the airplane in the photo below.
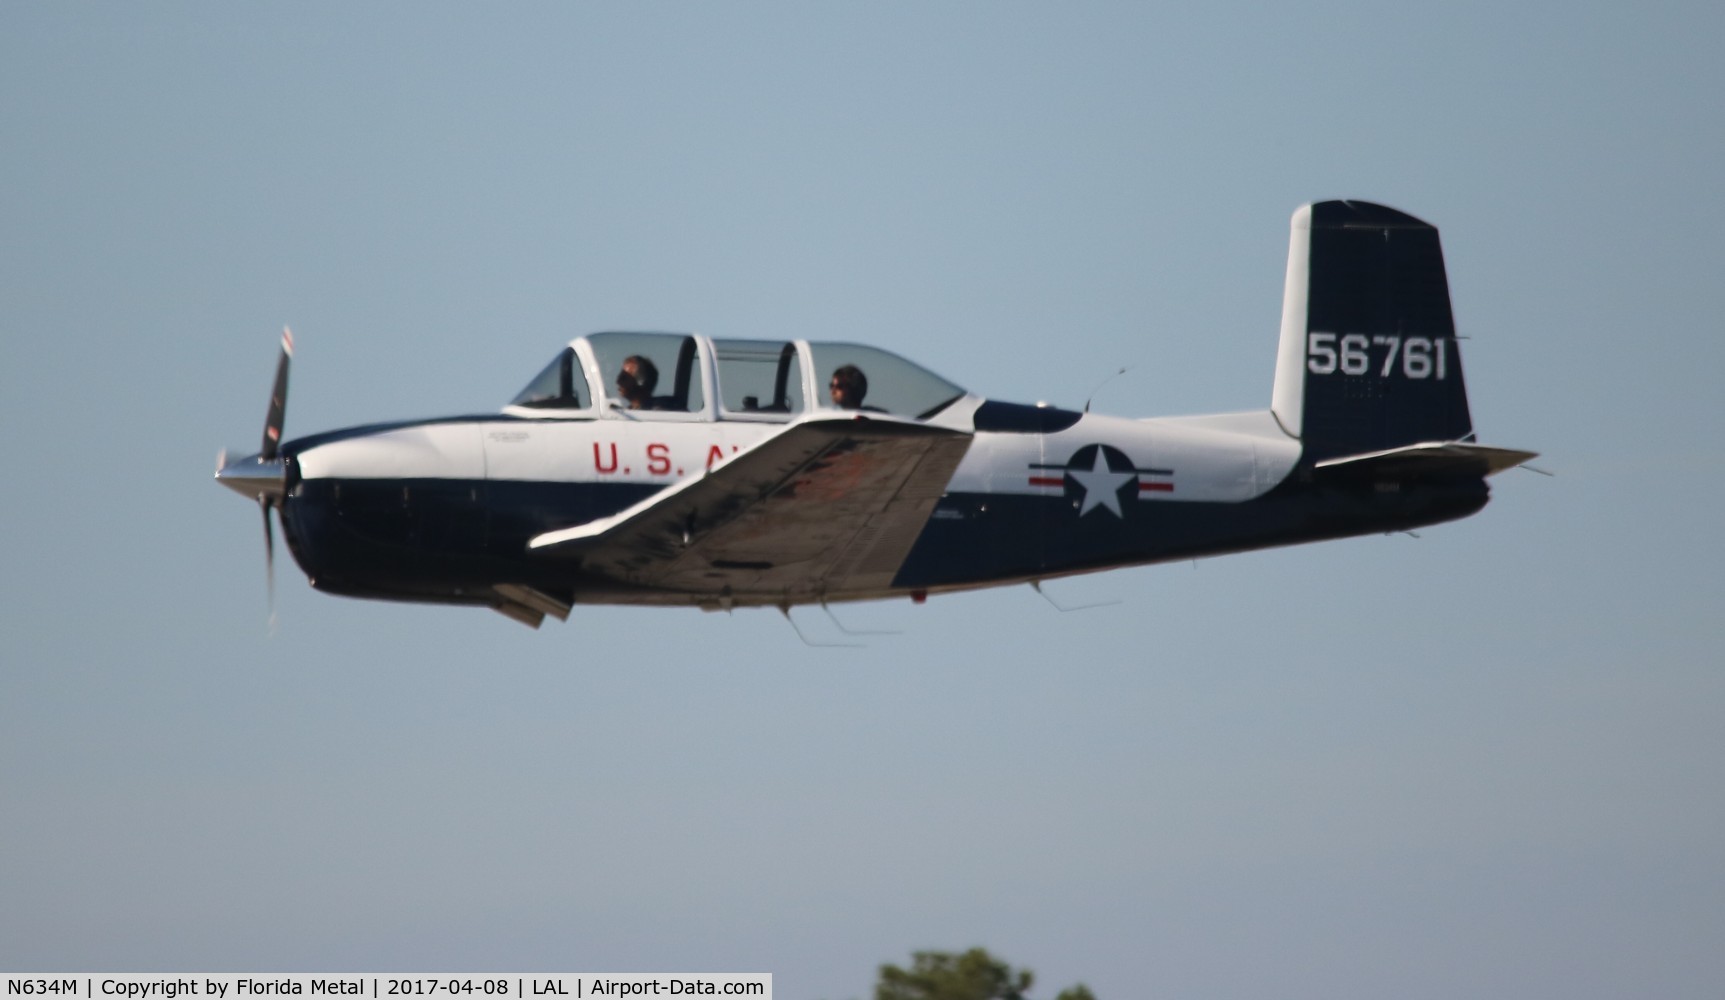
(675, 469)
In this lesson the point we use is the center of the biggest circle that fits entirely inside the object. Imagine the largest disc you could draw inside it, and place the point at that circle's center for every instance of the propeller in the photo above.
(263, 476)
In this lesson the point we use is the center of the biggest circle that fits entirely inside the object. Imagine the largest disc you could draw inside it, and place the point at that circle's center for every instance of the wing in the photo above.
(828, 506)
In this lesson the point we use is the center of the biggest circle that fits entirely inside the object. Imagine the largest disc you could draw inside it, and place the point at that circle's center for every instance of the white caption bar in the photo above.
(382, 986)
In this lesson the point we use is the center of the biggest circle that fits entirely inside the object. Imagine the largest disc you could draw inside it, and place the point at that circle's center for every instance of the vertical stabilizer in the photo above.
(1367, 359)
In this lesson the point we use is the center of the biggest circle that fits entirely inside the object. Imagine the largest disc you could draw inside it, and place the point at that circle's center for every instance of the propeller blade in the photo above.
(269, 554)
(278, 400)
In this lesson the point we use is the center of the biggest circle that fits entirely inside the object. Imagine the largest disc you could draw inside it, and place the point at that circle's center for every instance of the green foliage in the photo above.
(972, 975)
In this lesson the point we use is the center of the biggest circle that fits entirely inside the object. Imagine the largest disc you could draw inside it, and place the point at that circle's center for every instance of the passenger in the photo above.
(848, 386)
(636, 382)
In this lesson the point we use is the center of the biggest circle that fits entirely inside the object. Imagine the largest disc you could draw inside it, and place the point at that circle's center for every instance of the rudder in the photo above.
(1368, 359)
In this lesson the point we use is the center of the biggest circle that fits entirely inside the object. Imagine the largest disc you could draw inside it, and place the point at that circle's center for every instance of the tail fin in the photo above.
(1368, 359)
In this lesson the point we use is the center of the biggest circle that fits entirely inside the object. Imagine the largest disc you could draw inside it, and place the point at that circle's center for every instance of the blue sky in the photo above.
(1486, 761)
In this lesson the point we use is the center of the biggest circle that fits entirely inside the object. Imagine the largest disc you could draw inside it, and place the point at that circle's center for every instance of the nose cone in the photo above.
(255, 477)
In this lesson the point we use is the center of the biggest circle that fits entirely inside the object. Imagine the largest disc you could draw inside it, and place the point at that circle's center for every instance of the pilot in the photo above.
(636, 382)
(848, 386)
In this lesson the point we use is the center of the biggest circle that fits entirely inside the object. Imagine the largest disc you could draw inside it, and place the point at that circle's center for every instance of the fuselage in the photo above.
(443, 510)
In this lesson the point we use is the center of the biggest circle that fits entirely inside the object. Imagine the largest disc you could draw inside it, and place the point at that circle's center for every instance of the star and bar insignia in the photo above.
(1100, 476)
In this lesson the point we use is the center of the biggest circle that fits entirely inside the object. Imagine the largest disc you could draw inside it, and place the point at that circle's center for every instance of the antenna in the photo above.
(785, 609)
(1036, 585)
(855, 631)
(1102, 383)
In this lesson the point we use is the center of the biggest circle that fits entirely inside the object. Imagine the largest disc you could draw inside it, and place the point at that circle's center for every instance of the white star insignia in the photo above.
(1101, 486)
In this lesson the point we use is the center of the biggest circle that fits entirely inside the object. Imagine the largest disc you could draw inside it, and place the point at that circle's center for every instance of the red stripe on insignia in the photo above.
(1155, 487)
(1047, 481)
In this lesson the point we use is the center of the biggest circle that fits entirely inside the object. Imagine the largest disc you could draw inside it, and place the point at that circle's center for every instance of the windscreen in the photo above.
(561, 385)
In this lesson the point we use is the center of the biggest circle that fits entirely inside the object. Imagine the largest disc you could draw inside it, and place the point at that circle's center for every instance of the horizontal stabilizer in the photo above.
(1430, 461)
(829, 505)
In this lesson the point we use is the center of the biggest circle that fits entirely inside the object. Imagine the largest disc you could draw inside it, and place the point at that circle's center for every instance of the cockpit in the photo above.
(686, 377)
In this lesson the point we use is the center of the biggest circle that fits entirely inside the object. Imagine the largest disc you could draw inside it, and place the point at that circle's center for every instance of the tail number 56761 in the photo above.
(1380, 354)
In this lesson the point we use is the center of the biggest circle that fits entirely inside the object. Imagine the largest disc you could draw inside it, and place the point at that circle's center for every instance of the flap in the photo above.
(829, 505)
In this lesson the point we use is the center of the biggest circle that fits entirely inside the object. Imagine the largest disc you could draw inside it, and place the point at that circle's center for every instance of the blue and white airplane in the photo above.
(678, 469)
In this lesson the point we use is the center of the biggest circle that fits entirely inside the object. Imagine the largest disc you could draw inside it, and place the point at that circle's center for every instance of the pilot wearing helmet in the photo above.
(636, 382)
